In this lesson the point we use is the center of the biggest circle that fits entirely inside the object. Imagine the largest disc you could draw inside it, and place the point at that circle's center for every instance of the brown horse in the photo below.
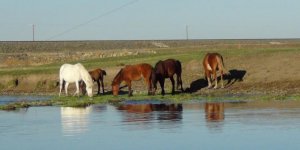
(97, 76)
(167, 69)
(213, 62)
(132, 73)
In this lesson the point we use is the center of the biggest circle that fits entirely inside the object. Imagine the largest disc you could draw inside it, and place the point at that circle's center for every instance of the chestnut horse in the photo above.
(213, 62)
(132, 73)
(214, 111)
(97, 76)
(167, 69)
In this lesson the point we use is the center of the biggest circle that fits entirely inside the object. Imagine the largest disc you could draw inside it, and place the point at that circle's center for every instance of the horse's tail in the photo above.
(179, 71)
(179, 66)
(153, 81)
(221, 65)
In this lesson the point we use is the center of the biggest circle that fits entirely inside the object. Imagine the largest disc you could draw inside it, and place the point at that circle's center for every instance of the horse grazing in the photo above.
(213, 62)
(97, 76)
(167, 69)
(75, 73)
(132, 73)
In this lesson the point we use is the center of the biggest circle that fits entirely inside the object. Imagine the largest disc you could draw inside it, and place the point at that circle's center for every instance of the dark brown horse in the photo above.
(145, 108)
(97, 76)
(132, 73)
(167, 69)
(213, 62)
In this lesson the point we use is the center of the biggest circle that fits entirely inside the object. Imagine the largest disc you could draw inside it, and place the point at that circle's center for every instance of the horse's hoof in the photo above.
(130, 94)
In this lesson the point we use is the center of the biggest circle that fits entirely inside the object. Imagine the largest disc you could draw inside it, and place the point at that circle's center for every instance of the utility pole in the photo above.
(187, 32)
(33, 32)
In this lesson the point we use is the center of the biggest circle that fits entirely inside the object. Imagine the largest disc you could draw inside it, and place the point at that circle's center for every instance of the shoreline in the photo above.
(84, 101)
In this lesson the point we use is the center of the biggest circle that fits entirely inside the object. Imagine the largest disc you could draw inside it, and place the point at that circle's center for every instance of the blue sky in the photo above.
(148, 19)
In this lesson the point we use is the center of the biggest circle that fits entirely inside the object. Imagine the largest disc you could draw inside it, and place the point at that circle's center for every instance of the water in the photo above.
(160, 126)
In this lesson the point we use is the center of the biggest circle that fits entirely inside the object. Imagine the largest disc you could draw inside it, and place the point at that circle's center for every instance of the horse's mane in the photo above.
(155, 67)
(84, 74)
(117, 77)
(104, 72)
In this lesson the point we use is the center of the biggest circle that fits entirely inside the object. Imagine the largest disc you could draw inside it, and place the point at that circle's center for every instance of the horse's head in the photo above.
(89, 90)
(86, 88)
(115, 89)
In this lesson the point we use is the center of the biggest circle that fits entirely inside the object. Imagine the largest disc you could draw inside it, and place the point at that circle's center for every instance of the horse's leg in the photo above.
(129, 88)
(66, 88)
(208, 77)
(98, 84)
(154, 82)
(77, 89)
(102, 86)
(162, 85)
(179, 82)
(173, 85)
(215, 78)
(149, 84)
(60, 86)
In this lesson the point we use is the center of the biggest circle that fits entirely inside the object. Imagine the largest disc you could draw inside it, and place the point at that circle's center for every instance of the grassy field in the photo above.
(256, 69)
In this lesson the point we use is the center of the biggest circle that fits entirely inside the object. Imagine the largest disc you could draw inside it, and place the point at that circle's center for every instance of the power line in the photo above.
(93, 19)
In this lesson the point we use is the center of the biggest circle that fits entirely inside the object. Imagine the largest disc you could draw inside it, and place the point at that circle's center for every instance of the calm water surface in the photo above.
(154, 125)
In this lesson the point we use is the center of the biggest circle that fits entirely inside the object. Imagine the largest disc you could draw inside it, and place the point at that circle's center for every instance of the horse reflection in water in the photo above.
(147, 116)
(214, 115)
(214, 111)
(74, 120)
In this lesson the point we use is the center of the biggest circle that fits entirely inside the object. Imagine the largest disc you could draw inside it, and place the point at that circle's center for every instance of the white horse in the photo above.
(74, 73)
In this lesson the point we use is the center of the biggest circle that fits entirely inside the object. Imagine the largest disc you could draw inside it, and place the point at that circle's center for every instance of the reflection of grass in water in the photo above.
(84, 101)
